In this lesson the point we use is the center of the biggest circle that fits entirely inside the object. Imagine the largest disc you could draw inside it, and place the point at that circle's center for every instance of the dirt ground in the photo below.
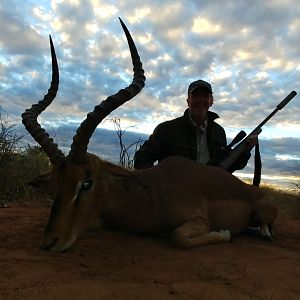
(115, 265)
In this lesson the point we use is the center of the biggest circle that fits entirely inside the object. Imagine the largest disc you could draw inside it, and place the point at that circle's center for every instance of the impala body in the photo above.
(195, 204)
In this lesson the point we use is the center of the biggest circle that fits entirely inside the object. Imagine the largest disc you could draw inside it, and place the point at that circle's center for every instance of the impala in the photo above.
(195, 204)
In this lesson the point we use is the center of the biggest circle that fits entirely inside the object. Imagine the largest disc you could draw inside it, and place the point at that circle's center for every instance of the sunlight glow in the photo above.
(41, 14)
(175, 33)
(139, 14)
(92, 27)
(223, 74)
(205, 26)
(273, 63)
(279, 181)
(146, 38)
(64, 37)
(243, 54)
(286, 157)
(33, 74)
(261, 75)
(57, 24)
(104, 11)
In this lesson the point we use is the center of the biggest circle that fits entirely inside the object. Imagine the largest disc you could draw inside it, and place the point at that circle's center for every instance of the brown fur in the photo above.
(197, 204)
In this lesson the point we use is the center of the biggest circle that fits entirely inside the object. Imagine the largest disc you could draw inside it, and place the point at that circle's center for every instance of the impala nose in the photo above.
(48, 244)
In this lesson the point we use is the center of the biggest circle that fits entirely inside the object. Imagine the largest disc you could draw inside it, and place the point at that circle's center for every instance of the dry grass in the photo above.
(287, 200)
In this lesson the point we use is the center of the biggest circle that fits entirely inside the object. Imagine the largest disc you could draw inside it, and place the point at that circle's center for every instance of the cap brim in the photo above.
(202, 87)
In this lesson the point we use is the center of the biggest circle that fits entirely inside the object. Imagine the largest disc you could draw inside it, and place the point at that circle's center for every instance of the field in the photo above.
(115, 265)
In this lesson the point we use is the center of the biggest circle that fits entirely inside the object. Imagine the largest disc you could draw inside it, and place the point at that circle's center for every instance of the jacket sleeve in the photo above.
(152, 150)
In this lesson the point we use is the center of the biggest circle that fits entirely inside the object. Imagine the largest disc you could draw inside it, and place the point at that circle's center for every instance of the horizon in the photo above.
(105, 144)
(247, 50)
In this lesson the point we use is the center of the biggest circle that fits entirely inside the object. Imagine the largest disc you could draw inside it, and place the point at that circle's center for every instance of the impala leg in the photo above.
(267, 232)
(195, 233)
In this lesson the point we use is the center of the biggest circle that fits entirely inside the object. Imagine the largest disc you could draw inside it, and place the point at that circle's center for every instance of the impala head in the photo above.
(76, 180)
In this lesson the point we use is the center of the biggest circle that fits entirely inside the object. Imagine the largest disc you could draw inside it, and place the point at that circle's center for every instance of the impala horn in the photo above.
(29, 117)
(88, 126)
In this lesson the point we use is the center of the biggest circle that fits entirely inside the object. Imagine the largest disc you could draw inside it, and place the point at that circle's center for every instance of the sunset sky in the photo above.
(248, 50)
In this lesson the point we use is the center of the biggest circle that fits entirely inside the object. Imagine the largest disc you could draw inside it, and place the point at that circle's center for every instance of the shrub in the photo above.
(17, 167)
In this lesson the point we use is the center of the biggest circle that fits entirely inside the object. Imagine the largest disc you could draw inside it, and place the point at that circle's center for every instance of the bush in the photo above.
(18, 169)
(8, 141)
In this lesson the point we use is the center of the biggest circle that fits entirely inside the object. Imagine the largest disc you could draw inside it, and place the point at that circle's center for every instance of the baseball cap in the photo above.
(199, 84)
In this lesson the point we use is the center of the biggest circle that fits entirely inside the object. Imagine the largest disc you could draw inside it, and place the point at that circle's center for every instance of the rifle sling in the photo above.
(257, 166)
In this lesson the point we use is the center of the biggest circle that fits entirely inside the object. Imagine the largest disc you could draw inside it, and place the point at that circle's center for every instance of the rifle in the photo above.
(235, 153)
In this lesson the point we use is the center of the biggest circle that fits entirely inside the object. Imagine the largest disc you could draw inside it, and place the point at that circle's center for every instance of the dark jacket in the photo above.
(178, 137)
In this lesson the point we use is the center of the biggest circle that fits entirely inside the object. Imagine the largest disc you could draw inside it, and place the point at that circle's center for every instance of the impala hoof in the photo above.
(265, 232)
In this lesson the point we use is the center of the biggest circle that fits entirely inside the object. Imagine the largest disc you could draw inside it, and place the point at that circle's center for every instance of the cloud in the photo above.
(248, 50)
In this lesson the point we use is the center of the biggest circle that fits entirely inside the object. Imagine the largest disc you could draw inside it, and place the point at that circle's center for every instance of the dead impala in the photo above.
(197, 204)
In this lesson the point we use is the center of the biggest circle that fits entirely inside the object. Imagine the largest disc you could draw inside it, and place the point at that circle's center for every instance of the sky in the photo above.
(248, 50)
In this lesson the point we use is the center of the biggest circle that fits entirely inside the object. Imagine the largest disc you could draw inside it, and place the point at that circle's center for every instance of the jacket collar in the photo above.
(211, 116)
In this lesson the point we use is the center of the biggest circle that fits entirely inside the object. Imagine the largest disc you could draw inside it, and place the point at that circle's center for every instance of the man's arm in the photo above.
(151, 150)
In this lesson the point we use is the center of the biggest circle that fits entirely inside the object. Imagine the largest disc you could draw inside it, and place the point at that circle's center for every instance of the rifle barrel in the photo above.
(283, 103)
(286, 100)
(242, 146)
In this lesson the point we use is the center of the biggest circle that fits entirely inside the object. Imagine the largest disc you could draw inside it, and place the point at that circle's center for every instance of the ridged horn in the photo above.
(88, 126)
(29, 117)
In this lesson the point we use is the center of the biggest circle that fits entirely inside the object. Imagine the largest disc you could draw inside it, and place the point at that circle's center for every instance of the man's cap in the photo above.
(200, 84)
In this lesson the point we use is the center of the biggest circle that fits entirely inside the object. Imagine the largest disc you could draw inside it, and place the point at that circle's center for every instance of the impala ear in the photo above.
(42, 182)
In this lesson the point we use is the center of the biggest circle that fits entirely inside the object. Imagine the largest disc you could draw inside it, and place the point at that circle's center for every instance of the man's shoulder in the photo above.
(179, 121)
(184, 120)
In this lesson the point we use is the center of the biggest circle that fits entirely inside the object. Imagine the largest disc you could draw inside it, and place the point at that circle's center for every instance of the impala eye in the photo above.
(87, 185)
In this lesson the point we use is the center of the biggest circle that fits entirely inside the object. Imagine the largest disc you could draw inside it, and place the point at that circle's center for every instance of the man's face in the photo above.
(199, 101)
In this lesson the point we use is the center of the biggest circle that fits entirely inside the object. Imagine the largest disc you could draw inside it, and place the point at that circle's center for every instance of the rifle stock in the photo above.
(243, 146)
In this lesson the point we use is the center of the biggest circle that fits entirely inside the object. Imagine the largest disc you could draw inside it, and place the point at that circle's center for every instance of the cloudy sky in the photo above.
(248, 50)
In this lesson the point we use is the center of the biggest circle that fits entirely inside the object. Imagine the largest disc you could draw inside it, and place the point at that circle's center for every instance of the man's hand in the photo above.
(252, 140)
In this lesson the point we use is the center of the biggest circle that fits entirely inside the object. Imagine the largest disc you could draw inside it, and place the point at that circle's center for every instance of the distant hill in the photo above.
(103, 142)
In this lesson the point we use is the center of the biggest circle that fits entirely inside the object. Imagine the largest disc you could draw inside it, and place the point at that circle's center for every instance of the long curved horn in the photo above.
(88, 126)
(29, 117)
